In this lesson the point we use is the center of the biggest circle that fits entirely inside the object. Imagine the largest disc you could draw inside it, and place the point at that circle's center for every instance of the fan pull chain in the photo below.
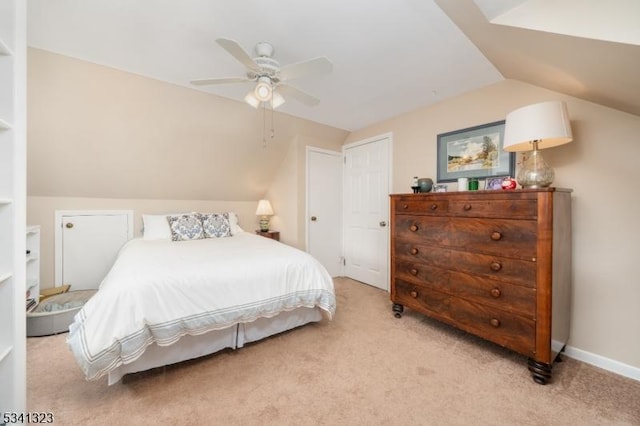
(272, 131)
(264, 125)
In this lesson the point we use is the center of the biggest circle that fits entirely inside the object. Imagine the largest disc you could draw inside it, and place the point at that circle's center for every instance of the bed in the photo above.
(165, 300)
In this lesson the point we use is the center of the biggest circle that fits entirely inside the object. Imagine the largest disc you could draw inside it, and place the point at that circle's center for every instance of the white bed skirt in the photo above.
(190, 347)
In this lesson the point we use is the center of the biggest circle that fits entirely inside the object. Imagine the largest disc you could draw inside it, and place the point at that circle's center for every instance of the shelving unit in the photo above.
(13, 259)
(33, 266)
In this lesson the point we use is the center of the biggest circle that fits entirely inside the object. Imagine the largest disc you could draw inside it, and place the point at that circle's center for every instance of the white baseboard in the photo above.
(604, 363)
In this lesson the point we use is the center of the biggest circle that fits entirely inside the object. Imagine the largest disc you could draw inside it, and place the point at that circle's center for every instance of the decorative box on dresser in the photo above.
(496, 264)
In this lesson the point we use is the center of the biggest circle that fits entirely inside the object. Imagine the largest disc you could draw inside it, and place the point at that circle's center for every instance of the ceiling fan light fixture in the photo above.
(252, 100)
(263, 90)
(276, 100)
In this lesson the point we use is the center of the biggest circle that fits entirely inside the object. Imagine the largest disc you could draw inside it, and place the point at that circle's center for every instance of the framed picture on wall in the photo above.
(475, 152)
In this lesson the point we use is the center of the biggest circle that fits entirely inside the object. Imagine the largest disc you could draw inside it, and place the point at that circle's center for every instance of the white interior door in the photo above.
(324, 208)
(366, 211)
(87, 245)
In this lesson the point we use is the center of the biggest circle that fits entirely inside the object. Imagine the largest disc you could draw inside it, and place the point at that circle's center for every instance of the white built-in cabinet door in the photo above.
(87, 244)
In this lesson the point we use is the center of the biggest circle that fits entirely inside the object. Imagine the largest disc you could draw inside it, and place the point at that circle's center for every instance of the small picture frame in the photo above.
(494, 183)
(440, 188)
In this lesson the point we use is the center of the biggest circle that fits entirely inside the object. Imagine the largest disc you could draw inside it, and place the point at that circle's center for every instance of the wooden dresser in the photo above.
(496, 264)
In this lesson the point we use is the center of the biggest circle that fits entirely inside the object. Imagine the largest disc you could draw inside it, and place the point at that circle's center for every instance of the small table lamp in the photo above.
(535, 127)
(264, 210)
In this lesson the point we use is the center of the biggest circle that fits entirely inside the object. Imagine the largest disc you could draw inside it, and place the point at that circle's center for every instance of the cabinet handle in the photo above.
(434, 206)
(414, 294)
(414, 271)
(69, 225)
(496, 266)
(414, 251)
(495, 236)
(495, 322)
(405, 206)
(413, 228)
(495, 292)
(467, 207)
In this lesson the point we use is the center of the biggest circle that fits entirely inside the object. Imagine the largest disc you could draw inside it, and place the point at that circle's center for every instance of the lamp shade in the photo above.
(264, 208)
(545, 122)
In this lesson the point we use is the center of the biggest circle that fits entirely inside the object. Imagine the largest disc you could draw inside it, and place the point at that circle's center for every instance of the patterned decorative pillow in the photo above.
(185, 227)
(216, 225)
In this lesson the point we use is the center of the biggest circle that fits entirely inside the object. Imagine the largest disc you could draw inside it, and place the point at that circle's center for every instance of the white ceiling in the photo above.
(389, 56)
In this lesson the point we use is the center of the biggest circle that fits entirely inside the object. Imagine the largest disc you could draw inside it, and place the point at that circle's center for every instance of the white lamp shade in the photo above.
(546, 122)
(251, 100)
(276, 100)
(264, 208)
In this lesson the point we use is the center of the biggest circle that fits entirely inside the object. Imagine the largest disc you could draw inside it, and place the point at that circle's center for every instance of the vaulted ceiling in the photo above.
(389, 56)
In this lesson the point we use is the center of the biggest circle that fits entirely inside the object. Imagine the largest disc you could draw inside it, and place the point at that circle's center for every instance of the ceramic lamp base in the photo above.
(264, 224)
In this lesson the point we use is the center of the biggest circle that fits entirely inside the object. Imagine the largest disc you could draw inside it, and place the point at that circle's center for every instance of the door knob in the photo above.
(313, 218)
(383, 223)
(69, 225)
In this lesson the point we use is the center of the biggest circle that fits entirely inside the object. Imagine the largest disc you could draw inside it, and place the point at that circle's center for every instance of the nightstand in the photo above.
(274, 235)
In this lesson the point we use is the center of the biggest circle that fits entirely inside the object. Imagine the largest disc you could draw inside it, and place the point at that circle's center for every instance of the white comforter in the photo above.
(158, 291)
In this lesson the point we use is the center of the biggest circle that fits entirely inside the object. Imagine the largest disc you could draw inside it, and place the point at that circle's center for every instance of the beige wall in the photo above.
(601, 167)
(94, 131)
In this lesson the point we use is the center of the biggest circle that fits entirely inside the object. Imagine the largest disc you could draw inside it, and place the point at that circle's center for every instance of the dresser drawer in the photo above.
(421, 229)
(506, 269)
(501, 295)
(420, 273)
(495, 208)
(429, 207)
(496, 325)
(502, 237)
(422, 253)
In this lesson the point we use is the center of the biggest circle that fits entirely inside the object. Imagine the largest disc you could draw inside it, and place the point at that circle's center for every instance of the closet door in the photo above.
(88, 243)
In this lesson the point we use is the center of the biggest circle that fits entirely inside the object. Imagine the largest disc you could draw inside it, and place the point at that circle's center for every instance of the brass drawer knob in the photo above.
(496, 266)
(495, 322)
(467, 207)
(414, 251)
(414, 271)
(495, 292)
(495, 235)
(414, 294)
(434, 206)
(413, 228)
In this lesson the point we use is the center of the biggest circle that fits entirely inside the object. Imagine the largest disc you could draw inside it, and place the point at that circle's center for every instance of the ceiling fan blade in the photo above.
(298, 94)
(320, 65)
(205, 81)
(238, 52)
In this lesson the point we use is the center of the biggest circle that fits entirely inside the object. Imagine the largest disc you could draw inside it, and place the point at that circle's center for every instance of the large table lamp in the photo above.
(535, 127)
(264, 210)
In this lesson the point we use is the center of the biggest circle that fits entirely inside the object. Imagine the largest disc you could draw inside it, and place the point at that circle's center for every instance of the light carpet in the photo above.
(365, 367)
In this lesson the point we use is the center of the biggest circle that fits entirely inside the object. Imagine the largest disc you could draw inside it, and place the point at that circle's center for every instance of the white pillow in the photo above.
(156, 226)
(233, 221)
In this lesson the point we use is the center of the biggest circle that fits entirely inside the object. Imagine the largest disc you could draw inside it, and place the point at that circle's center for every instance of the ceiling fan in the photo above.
(268, 75)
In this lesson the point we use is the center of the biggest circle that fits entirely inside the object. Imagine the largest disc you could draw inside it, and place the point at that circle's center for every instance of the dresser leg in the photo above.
(397, 310)
(540, 371)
